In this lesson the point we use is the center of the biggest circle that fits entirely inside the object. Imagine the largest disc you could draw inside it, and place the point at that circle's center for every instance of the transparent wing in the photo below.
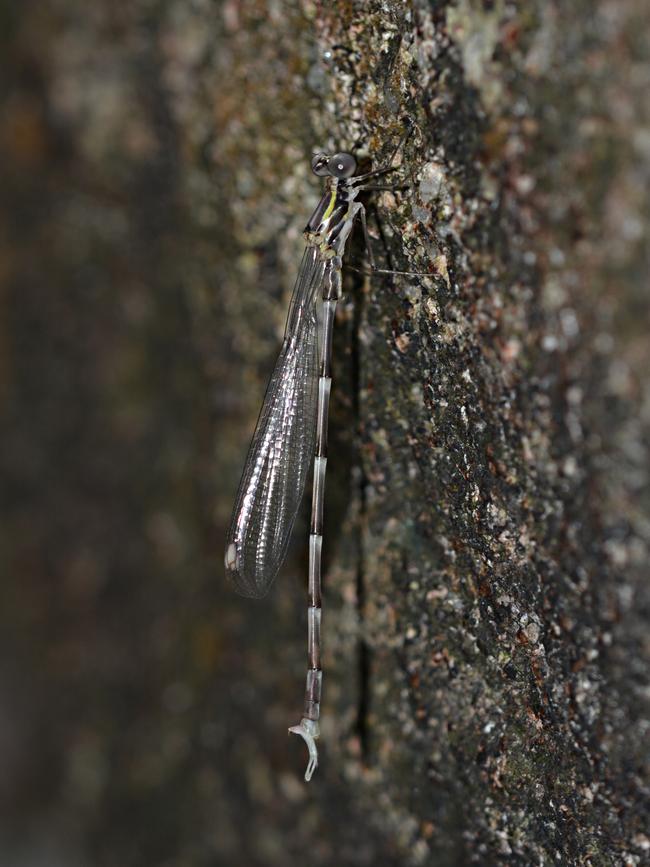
(282, 448)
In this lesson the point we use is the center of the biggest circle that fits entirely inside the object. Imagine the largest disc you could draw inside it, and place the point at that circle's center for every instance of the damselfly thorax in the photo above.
(330, 225)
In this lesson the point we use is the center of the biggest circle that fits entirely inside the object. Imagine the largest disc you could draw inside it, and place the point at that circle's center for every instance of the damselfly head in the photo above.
(339, 166)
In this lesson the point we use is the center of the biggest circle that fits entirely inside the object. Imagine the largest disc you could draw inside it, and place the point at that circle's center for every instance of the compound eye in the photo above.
(342, 165)
(319, 164)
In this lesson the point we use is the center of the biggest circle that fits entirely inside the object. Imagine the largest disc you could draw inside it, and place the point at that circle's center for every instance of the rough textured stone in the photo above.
(488, 521)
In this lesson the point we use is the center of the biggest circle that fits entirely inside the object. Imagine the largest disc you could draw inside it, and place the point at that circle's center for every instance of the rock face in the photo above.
(486, 611)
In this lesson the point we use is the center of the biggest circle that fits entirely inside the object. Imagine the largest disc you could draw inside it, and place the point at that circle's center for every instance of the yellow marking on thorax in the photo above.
(330, 207)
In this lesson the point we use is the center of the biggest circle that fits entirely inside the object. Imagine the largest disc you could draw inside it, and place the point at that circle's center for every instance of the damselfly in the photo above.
(292, 426)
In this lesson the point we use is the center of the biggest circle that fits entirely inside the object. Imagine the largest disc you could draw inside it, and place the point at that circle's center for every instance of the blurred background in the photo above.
(143, 706)
(154, 177)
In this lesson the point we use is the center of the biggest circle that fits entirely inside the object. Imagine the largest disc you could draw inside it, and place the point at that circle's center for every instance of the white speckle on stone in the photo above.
(569, 322)
(641, 842)
(525, 184)
(532, 632)
(432, 184)
(570, 466)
